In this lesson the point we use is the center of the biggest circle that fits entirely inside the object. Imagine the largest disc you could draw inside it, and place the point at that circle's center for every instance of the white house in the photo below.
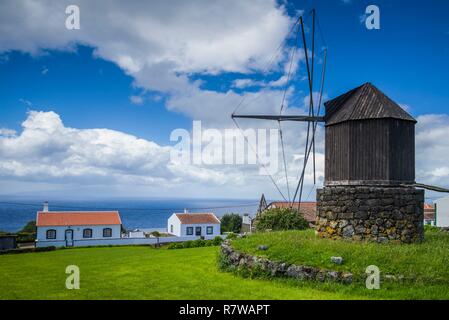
(442, 212)
(206, 225)
(70, 228)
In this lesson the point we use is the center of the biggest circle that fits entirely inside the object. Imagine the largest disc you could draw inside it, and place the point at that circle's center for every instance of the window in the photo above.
(51, 234)
(189, 231)
(198, 231)
(107, 232)
(87, 233)
(210, 230)
(171, 228)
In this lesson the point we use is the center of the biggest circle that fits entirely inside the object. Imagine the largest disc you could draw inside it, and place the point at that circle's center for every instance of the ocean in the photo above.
(15, 213)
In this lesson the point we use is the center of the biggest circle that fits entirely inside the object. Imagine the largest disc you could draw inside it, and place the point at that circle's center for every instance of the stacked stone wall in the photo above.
(380, 214)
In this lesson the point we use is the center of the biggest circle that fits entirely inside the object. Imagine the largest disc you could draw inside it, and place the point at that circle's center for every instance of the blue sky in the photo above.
(89, 86)
(406, 58)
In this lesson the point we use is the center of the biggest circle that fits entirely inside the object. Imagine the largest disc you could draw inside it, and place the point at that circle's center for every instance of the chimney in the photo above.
(45, 207)
(185, 210)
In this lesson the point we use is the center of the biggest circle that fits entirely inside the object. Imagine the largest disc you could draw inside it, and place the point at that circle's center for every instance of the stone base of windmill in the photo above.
(364, 213)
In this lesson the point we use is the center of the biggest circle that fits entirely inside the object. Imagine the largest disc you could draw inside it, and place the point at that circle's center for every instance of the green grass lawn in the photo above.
(426, 263)
(138, 273)
(148, 273)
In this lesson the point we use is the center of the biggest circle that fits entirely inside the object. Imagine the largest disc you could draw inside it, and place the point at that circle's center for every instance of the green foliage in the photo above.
(27, 234)
(217, 241)
(30, 227)
(195, 243)
(231, 222)
(231, 235)
(23, 237)
(281, 219)
(28, 250)
(156, 234)
(431, 228)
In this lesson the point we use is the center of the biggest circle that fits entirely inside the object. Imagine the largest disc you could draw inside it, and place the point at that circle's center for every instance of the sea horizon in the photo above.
(17, 211)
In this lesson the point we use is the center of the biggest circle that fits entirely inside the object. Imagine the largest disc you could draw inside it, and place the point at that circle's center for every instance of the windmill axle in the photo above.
(281, 118)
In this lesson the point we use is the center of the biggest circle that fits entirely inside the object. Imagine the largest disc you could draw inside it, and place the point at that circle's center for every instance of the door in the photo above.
(198, 231)
(69, 238)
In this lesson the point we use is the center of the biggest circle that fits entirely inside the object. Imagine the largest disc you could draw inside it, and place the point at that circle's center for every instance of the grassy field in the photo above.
(426, 263)
(148, 273)
(139, 273)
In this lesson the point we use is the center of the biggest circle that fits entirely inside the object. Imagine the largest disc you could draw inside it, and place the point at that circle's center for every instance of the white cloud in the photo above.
(138, 100)
(7, 132)
(432, 149)
(190, 36)
(47, 152)
(160, 44)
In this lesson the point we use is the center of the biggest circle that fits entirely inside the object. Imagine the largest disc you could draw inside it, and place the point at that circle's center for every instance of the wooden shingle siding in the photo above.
(370, 139)
(370, 150)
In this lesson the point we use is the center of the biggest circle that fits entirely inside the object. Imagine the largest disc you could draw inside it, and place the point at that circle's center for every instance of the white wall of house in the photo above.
(174, 225)
(121, 241)
(97, 234)
(442, 212)
(215, 229)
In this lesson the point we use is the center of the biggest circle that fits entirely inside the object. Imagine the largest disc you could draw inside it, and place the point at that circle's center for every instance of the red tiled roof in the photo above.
(192, 218)
(75, 218)
(429, 211)
(308, 209)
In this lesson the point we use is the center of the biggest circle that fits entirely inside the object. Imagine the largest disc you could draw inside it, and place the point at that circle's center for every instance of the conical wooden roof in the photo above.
(364, 102)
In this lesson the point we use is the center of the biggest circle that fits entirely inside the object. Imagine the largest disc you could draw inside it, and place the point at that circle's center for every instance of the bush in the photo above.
(30, 227)
(217, 241)
(198, 243)
(188, 244)
(281, 219)
(231, 222)
(231, 235)
(195, 243)
(431, 228)
(156, 234)
(23, 237)
(28, 250)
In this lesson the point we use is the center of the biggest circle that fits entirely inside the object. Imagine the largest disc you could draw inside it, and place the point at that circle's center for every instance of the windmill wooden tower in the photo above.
(369, 189)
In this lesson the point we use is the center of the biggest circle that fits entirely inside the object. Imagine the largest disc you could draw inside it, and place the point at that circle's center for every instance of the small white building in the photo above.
(206, 225)
(76, 228)
(442, 212)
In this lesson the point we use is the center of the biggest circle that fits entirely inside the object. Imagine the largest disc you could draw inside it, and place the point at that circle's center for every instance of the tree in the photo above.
(231, 222)
(281, 219)
(30, 227)
(28, 233)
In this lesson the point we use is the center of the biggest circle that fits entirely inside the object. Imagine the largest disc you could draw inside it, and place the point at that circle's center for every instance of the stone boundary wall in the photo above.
(281, 269)
(372, 213)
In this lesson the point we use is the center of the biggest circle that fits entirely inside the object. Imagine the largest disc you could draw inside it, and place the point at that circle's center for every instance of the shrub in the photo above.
(23, 237)
(231, 235)
(231, 222)
(28, 250)
(30, 227)
(217, 241)
(188, 244)
(281, 219)
(198, 243)
(156, 234)
(172, 245)
(431, 228)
